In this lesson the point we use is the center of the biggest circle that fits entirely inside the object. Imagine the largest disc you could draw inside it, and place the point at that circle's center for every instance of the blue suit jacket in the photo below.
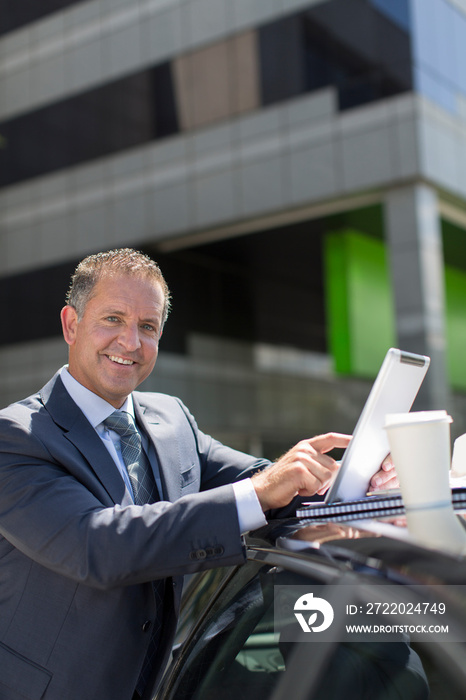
(77, 558)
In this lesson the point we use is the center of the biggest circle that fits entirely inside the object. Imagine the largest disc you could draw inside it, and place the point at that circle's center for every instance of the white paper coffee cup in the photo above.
(420, 449)
(421, 453)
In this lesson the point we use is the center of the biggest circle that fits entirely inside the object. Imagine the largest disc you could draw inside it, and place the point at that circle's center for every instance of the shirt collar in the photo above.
(94, 407)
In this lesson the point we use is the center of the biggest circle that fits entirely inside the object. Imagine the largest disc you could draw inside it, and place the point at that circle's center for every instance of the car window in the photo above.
(198, 594)
(224, 641)
(236, 653)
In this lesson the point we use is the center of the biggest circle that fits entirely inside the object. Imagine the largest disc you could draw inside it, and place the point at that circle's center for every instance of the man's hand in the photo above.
(386, 477)
(305, 470)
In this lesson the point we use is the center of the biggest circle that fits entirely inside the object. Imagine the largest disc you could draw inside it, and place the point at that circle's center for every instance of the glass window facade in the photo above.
(253, 289)
(217, 82)
(17, 13)
(122, 114)
(365, 60)
(366, 49)
(31, 304)
(439, 52)
(397, 10)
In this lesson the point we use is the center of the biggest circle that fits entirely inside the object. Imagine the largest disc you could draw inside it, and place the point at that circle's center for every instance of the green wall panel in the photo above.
(455, 296)
(358, 301)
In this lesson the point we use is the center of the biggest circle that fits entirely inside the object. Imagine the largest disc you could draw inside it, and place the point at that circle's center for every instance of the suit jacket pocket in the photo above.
(188, 476)
(21, 678)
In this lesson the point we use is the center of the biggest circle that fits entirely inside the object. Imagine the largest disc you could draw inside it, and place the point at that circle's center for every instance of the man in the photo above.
(80, 547)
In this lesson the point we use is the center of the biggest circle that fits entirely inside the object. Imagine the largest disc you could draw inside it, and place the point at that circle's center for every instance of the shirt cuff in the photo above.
(250, 514)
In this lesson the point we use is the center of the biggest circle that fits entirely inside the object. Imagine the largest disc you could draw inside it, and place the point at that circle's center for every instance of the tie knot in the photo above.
(121, 422)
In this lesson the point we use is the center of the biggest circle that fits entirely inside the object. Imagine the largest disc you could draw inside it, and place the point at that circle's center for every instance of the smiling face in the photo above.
(114, 346)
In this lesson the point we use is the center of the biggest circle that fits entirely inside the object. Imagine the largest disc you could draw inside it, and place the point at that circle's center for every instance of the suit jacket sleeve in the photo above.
(59, 506)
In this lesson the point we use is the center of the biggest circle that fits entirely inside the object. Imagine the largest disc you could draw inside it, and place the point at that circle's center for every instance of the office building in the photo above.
(297, 168)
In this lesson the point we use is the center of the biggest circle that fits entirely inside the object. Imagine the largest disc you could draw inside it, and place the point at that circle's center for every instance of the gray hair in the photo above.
(113, 262)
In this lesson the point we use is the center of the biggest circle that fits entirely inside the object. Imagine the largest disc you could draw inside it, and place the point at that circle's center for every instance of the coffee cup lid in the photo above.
(397, 420)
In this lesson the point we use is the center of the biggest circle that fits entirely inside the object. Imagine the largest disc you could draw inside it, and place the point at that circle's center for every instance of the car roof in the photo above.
(358, 546)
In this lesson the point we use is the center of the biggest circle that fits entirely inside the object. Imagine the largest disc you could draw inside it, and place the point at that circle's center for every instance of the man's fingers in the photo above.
(387, 464)
(388, 483)
(306, 455)
(305, 469)
(385, 479)
(392, 483)
(315, 482)
(322, 467)
(326, 487)
(327, 442)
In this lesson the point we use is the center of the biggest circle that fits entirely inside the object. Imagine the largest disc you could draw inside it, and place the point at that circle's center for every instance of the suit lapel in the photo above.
(77, 429)
(162, 438)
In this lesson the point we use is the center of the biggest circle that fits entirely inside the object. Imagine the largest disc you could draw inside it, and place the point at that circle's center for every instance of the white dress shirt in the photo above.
(96, 410)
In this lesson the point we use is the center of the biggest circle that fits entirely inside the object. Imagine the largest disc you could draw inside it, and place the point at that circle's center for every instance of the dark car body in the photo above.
(229, 647)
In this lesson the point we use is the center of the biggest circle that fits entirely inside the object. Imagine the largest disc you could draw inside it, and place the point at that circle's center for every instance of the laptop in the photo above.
(393, 391)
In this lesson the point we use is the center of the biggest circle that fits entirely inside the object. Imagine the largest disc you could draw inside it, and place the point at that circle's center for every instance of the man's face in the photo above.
(114, 346)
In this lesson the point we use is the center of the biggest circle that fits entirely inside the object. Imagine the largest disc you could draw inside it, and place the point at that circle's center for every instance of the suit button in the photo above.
(146, 626)
(198, 554)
